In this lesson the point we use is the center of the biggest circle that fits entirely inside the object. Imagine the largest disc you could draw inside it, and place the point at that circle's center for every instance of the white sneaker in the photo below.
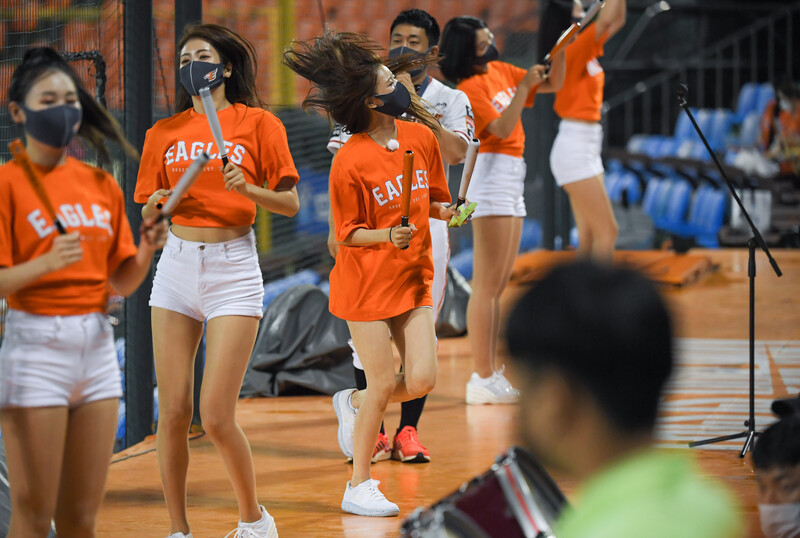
(180, 535)
(367, 500)
(263, 528)
(347, 420)
(494, 389)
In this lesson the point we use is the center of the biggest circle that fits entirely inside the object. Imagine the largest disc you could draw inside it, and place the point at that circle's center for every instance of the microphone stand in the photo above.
(755, 240)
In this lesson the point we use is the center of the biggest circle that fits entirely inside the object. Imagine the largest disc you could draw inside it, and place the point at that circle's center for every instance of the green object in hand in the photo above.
(462, 214)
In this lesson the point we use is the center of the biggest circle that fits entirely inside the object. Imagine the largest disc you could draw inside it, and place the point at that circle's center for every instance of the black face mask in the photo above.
(395, 103)
(197, 75)
(55, 126)
(490, 55)
(399, 51)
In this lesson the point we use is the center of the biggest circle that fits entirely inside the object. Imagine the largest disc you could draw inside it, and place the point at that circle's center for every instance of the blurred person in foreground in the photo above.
(776, 457)
(592, 349)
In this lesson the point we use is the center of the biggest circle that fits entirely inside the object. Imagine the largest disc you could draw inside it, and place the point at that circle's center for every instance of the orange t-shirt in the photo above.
(581, 97)
(490, 94)
(87, 200)
(381, 281)
(256, 143)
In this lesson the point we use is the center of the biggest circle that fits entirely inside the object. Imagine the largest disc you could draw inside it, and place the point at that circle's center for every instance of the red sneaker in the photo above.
(382, 450)
(407, 447)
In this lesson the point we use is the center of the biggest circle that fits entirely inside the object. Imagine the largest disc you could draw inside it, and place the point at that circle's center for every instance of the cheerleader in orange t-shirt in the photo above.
(209, 271)
(375, 285)
(498, 92)
(575, 155)
(59, 378)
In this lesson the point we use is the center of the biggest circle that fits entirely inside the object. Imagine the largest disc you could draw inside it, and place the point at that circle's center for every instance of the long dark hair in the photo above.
(343, 69)
(556, 17)
(458, 48)
(96, 125)
(240, 87)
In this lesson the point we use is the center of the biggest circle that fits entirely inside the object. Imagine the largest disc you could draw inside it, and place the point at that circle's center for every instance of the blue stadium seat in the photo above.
(746, 102)
(531, 235)
(750, 131)
(705, 217)
(462, 262)
(766, 93)
(674, 211)
(630, 183)
(719, 128)
(635, 143)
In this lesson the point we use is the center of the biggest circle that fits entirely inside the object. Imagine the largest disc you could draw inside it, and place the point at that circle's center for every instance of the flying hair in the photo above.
(343, 68)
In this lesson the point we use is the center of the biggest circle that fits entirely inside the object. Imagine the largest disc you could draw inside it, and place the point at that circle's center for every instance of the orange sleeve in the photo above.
(481, 103)
(347, 200)
(6, 256)
(437, 182)
(123, 246)
(275, 159)
(151, 175)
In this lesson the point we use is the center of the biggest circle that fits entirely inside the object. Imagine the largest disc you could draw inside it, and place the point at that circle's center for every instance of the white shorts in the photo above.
(440, 249)
(498, 184)
(206, 280)
(576, 152)
(57, 361)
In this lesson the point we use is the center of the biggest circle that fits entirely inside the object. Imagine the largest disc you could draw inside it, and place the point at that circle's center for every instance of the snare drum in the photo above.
(516, 498)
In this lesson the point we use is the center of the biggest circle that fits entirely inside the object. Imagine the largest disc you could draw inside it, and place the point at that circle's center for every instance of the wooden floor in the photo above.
(301, 473)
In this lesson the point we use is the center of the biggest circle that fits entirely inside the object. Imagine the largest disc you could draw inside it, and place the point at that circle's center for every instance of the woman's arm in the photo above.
(558, 71)
(132, 271)
(399, 236)
(284, 202)
(66, 250)
(611, 18)
(503, 126)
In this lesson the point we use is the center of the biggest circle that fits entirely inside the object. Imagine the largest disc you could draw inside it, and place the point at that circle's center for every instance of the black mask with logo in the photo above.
(197, 75)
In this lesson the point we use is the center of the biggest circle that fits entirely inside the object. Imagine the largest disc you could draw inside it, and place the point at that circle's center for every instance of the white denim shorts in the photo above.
(575, 154)
(497, 185)
(56, 361)
(207, 280)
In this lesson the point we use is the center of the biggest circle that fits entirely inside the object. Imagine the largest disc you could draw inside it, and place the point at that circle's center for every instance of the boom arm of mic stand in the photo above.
(756, 234)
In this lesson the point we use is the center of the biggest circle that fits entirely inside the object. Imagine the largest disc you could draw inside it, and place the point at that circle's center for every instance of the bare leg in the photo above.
(229, 341)
(34, 441)
(496, 242)
(372, 340)
(593, 211)
(88, 449)
(175, 341)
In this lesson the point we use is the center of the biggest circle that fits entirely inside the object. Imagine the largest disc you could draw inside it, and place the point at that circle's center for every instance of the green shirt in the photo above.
(653, 494)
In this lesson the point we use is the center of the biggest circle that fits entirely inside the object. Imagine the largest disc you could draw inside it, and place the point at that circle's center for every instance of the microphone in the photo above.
(682, 90)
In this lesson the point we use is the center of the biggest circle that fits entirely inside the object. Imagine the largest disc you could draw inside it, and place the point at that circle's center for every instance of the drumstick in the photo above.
(405, 196)
(464, 211)
(213, 122)
(17, 149)
(566, 36)
(186, 180)
(574, 28)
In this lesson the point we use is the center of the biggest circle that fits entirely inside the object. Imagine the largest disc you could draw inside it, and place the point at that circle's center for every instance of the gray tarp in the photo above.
(300, 345)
